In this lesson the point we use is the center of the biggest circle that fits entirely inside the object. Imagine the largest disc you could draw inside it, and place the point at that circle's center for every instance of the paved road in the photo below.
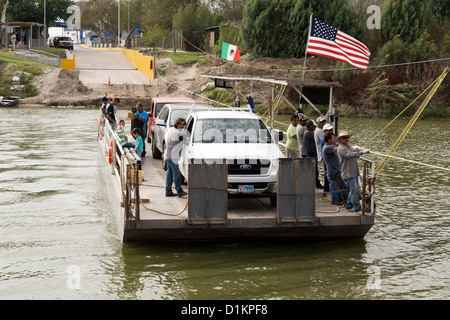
(98, 66)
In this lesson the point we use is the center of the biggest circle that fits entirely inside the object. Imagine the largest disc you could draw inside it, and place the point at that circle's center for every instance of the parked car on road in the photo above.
(155, 108)
(165, 120)
(243, 140)
(61, 42)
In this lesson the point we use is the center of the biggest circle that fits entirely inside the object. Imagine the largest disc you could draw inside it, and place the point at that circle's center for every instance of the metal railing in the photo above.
(367, 190)
(125, 165)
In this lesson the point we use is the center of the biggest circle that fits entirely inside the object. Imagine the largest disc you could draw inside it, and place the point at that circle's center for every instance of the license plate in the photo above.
(248, 189)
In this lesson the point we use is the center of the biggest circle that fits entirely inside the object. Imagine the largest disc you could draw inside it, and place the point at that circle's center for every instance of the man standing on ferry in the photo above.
(142, 116)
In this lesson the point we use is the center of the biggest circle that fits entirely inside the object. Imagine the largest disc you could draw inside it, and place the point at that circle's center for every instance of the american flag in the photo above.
(327, 41)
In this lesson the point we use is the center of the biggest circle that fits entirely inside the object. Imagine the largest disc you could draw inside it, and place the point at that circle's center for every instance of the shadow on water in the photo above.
(261, 269)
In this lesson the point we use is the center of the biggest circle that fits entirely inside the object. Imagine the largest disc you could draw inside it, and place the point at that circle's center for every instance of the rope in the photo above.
(402, 136)
(323, 70)
(165, 213)
(191, 92)
(412, 161)
(401, 112)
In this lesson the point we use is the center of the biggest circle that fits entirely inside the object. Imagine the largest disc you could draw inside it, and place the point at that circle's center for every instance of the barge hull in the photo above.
(246, 219)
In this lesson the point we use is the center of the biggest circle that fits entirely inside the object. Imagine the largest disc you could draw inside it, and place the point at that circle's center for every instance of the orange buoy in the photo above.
(110, 152)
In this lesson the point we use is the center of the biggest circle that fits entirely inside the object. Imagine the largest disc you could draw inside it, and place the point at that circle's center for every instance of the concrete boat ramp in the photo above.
(207, 213)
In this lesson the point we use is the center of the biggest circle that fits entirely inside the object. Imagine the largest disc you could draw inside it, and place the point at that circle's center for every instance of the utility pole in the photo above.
(45, 22)
(118, 27)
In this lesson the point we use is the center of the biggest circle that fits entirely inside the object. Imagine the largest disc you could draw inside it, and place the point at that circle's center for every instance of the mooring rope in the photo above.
(165, 213)
(435, 86)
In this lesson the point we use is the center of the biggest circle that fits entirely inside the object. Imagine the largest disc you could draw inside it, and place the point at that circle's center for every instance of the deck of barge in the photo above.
(167, 218)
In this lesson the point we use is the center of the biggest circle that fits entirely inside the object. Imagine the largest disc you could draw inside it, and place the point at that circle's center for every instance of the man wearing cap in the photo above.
(291, 143)
(105, 101)
(310, 146)
(301, 127)
(111, 109)
(335, 196)
(142, 116)
(333, 167)
(318, 137)
(349, 169)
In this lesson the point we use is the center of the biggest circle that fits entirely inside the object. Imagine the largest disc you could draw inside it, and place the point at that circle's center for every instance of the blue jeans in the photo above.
(173, 175)
(129, 145)
(353, 198)
(314, 155)
(335, 195)
(144, 137)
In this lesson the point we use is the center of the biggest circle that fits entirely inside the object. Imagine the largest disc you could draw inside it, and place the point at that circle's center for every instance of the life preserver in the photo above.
(110, 152)
(100, 127)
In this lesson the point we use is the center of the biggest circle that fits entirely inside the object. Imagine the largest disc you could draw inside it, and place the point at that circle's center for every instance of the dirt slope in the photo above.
(63, 88)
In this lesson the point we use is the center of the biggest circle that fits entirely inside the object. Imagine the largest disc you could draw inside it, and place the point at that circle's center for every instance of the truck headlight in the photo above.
(274, 166)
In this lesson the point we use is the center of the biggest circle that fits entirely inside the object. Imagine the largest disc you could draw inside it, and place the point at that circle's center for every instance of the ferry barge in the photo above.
(136, 190)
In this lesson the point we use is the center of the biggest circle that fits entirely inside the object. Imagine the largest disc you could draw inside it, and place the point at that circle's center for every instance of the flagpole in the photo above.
(304, 63)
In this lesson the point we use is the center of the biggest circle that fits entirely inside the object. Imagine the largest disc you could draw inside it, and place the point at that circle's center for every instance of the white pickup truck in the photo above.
(243, 140)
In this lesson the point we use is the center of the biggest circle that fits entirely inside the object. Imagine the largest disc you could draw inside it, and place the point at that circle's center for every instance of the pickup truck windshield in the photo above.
(231, 131)
(178, 113)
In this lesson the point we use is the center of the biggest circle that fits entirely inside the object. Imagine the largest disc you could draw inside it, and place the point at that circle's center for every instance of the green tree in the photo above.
(337, 13)
(33, 10)
(423, 48)
(290, 20)
(393, 51)
(99, 16)
(441, 8)
(153, 34)
(265, 29)
(405, 18)
(192, 21)
(229, 33)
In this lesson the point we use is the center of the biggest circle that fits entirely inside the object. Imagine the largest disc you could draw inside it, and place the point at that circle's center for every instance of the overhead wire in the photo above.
(323, 70)
(435, 86)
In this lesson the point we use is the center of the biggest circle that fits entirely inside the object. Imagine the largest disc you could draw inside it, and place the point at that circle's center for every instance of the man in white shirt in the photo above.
(175, 136)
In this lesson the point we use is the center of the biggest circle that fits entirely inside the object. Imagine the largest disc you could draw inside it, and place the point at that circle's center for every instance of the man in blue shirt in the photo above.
(142, 116)
(331, 159)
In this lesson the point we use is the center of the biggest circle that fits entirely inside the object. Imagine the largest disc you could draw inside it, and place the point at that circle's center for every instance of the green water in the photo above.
(59, 241)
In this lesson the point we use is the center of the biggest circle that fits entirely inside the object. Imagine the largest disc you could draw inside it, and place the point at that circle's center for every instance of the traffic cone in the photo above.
(109, 80)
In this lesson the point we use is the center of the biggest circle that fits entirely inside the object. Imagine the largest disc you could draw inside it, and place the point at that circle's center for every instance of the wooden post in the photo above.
(270, 113)
(137, 196)
(363, 191)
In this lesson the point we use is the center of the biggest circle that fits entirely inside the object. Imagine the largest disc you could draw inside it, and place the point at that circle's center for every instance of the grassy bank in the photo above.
(26, 70)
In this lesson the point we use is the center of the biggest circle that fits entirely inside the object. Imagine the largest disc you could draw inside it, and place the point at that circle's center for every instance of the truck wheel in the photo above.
(273, 201)
(164, 161)
(155, 151)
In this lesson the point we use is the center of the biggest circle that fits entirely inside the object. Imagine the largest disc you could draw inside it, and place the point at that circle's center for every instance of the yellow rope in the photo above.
(416, 116)
(400, 113)
(162, 212)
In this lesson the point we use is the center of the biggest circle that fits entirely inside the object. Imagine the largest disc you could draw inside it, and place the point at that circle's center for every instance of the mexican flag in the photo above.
(230, 52)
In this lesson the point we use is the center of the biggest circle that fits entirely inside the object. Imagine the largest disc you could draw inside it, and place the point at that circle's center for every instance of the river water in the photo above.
(58, 239)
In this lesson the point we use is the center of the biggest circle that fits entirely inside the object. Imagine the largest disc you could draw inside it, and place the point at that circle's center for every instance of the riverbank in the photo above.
(371, 95)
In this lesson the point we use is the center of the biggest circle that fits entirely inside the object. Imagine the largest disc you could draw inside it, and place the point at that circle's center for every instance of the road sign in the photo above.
(137, 31)
(107, 35)
(60, 24)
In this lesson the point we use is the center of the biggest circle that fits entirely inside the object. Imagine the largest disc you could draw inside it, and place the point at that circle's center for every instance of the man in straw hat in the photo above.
(349, 169)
